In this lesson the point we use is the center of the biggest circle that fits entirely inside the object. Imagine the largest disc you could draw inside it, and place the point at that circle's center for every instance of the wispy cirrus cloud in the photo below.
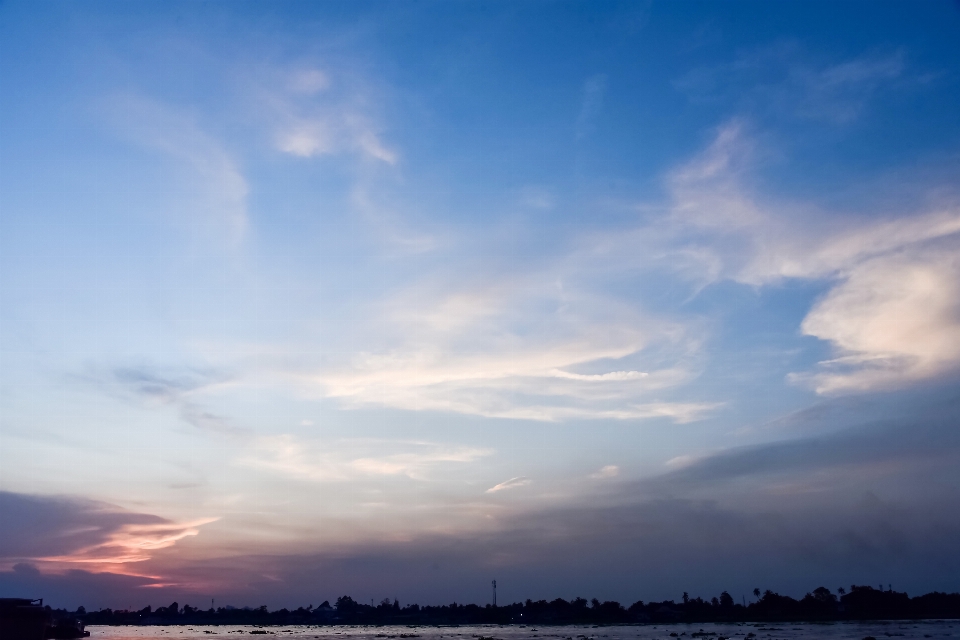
(591, 104)
(609, 471)
(326, 110)
(760, 239)
(215, 194)
(472, 350)
(883, 271)
(503, 353)
(316, 112)
(179, 387)
(344, 460)
(512, 483)
(387, 220)
(157, 383)
(784, 79)
(890, 311)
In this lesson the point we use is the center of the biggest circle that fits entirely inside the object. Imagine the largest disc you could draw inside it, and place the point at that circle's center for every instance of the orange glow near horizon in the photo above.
(129, 544)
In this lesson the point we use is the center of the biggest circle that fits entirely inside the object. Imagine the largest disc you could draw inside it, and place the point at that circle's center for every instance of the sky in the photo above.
(393, 299)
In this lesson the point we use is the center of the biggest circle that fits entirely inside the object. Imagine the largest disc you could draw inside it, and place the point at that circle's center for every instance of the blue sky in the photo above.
(393, 299)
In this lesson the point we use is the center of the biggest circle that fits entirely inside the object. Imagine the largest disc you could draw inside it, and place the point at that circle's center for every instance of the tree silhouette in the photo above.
(859, 603)
(823, 595)
(756, 593)
(345, 604)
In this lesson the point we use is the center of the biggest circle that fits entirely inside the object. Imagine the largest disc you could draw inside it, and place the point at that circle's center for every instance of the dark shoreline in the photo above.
(819, 606)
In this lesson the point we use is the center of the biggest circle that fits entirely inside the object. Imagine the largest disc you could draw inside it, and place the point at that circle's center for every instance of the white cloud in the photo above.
(318, 114)
(717, 220)
(601, 377)
(609, 471)
(893, 319)
(315, 114)
(306, 139)
(682, 462)
(518, 351)
(370, 142)
(512, 483)
(344, 460)
(892, 310)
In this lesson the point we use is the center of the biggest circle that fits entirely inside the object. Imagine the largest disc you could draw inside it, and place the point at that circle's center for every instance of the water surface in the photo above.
(749, 631)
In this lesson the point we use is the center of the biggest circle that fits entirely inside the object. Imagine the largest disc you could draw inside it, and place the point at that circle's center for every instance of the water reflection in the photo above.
(747, 631)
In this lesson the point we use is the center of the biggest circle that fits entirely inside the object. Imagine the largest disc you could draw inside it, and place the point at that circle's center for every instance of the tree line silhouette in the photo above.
(859, 603)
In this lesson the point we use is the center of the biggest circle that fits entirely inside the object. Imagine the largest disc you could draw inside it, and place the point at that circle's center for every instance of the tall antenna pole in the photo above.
(494, 583)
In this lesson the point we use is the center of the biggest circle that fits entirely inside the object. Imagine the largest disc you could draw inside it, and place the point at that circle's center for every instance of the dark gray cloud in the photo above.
(931, 443)
(161, 384)
(173, 386)
(878, 502)
(34, 526)
(63, 548)
(649, 550)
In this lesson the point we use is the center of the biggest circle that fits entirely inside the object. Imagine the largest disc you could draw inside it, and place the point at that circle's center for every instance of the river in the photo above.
(748, 631)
